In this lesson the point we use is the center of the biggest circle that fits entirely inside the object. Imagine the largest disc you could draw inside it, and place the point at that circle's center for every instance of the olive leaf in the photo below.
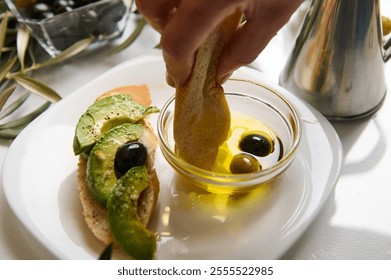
(23, 121)
(133, 36)
(5, 95)
(158, 46)
(3, 30)
(3, 6)
(6, 68)
(13, 106)
(30, 50)
(36, 87)
(22, 41)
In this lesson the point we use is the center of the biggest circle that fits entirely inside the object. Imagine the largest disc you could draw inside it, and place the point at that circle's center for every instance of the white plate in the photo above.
(39, 179)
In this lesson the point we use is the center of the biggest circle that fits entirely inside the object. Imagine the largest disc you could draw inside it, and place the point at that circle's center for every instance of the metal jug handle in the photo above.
(387, 53)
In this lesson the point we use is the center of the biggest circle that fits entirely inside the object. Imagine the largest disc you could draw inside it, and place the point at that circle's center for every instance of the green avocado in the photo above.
(105, 114)
(128, 231)
(101, 178)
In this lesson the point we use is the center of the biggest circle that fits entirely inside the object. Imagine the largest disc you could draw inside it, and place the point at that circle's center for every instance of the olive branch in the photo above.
(18, 62)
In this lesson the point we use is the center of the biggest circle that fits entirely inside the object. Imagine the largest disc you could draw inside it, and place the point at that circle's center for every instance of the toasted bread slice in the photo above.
(202, 117)
(95, 215)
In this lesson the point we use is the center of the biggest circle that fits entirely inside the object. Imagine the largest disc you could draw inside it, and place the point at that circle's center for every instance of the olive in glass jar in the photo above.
(62, 6)
(39, 10)
(80, 3)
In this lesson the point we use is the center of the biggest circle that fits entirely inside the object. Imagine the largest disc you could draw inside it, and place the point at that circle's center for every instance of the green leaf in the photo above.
(69, 52)
(106, 254)
(22, 42)
(13, 106)
(8, 49)
(5, 95)
(158, 46)
(136, 32)
(3, 30)
(37, 87)
(4, 69)
(23, 121)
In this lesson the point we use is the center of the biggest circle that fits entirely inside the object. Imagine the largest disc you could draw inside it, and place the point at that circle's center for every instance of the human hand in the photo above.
(185, 24)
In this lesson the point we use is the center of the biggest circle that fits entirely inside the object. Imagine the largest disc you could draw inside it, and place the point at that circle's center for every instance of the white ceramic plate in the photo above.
(39, 179)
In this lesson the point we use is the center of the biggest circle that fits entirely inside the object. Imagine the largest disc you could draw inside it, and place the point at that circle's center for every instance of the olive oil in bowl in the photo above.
(262, 150)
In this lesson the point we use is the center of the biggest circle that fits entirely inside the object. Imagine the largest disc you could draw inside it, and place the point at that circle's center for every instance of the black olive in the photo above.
(129, 155)
(80, 3)
(281, 154)
(256, 144)
(47, 15)
(43, 9)
(244, 163)
(48, 2)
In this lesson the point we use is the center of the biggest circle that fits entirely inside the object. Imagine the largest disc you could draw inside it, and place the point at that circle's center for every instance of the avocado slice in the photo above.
(101, 178)
(105, 114)
(128, 231)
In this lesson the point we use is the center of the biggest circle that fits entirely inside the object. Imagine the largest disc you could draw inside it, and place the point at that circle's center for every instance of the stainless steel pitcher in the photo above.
(337, 62)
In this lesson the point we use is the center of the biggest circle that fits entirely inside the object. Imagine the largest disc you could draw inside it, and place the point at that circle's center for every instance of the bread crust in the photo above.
(139, 93)
(95, 215)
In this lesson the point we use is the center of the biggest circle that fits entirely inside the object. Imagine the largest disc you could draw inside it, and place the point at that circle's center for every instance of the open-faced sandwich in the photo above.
(117, 183)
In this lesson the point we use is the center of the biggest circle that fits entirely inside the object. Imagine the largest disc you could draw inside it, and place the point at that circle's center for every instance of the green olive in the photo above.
(244, 163)
(257, 144)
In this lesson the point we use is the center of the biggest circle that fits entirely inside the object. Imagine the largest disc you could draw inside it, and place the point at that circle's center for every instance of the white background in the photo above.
(354, 224)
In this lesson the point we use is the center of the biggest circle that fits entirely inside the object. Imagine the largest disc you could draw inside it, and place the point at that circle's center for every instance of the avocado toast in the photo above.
(117, 183)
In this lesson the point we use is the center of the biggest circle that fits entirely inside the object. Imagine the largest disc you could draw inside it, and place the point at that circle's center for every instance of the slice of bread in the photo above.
(95, 215)
(202, 117)
(139, 93)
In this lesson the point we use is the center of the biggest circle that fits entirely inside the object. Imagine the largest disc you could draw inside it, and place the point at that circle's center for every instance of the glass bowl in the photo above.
(249, 99)
(102, 20)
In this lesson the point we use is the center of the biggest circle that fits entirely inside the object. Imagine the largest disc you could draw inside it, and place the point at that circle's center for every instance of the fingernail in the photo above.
(178, 71)
(224, 78)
